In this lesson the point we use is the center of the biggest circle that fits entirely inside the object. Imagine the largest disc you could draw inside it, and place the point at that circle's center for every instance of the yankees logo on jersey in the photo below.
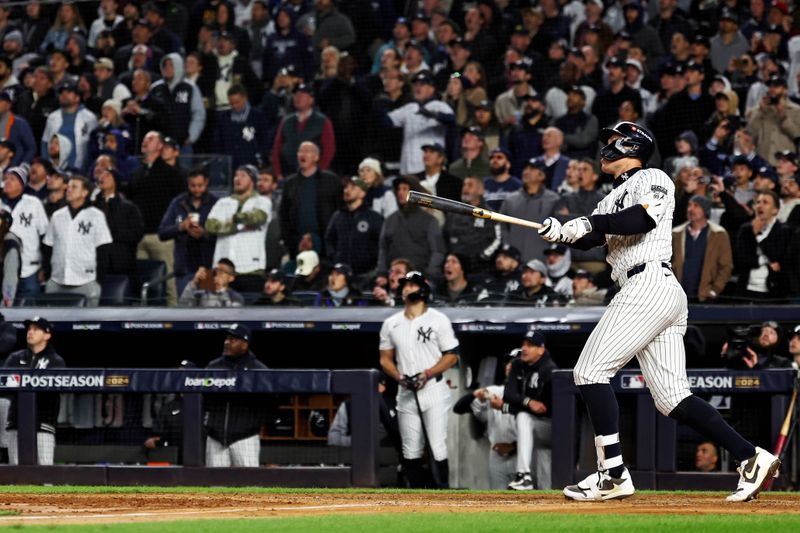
(424, 335)
(25, 219)
(653, 189)
(84, 227)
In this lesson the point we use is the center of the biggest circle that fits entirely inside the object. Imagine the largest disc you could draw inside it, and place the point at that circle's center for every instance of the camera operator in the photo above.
(776, 121)
(744, 350)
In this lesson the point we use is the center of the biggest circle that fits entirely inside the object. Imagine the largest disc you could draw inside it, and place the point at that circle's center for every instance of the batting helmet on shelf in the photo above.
(635, 142)
(416, 277)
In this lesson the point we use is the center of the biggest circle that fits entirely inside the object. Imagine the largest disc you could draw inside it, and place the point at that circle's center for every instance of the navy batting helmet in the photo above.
(636, 142)
(419, 280)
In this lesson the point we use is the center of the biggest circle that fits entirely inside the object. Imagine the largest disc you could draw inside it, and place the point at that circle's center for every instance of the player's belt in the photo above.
(636, 270)
(640, 268)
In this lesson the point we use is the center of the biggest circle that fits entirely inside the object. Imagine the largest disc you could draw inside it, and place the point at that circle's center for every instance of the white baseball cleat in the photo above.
(601, 486)
(753, 473)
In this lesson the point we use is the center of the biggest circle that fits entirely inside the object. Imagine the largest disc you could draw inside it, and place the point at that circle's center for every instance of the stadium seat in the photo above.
(307, 298)
(114, 290)
(152, 279)
(55, 299)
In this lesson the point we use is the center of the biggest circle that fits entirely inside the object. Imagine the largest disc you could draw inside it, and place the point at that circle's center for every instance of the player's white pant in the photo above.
(502, 470)
(534, 434)
(45, 442)
(243, 452)
(435, 411)
(5, 403)
(646, 319)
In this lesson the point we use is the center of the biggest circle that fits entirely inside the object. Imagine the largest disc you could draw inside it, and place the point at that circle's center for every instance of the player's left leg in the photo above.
(413, 443)
(436, 418)
(524, 479)
(245, 452)
(663, 364)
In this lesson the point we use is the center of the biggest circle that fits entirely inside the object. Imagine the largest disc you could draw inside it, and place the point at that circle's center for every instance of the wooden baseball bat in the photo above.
(451, 206)
(784, 432)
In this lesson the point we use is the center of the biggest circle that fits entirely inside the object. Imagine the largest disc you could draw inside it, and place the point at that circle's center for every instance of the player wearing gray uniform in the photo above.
(417, 345)
(646, 319)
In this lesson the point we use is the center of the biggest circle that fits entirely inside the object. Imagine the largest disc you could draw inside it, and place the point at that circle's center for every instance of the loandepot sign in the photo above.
(210, 382)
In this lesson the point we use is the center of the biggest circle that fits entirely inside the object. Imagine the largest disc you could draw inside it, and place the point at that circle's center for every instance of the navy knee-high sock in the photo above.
(701, 417)
(601, 403)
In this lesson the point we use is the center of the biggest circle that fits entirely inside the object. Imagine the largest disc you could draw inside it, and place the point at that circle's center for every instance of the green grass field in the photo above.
(445, 522)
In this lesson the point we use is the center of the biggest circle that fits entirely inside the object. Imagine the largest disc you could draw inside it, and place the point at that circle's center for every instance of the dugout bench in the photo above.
(361, 385)
(653, 465)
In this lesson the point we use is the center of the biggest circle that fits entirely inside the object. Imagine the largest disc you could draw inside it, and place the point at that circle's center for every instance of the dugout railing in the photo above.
(653, 463)
(360, 385)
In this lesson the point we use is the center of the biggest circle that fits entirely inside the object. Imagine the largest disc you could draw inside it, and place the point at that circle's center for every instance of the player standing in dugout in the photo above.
(417, 345)
(646, 319)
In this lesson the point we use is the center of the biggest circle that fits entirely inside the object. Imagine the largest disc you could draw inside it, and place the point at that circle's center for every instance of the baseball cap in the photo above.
(68, 86)
(536, 266)
(303, 88)
(577, 90)
(521, 64)
(225, 34)
(6, 96)
(276, 275)
(358, 182)
(306, 262)
(741, 160)
(796, 331)
(771, 324)
(140, 49)
(239, 331)
(6, 143)
(702, 39)
(484, 104)
(19, 172)
(143, 22)
(172, 142)
(727, 14)
(436, 147)
(623, 36)
(519, 29)
(776, 79)
(635, 63)
(474, 130)
(615, 62)
(40, 322)
(584, 274)
(694, 65)
(780, 6)
(501, 150)
(556, 248)
(343, 268)
(787, 155)
(509, 251)
(423, 77)
(537, 162)
(534, 337)
(404, 21)
(458, 41)
(105, 63)
(513, 354)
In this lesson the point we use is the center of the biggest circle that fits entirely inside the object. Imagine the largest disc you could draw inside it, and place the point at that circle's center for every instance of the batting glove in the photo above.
(575, 229)
(550, 230)
(420, 380)
(407, 382)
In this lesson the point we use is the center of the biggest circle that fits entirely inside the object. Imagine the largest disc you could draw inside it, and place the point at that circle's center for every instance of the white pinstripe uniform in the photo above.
(500, 427)
(419, 344)
(647, 317)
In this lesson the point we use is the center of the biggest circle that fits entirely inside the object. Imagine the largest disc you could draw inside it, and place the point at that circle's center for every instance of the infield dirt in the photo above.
(110, 508)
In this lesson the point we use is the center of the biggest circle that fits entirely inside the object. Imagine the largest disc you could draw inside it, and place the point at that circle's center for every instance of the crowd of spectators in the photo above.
(332, 111)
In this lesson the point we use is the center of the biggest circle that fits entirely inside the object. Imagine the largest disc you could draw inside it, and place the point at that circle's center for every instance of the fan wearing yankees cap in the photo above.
(533, 289)
(83, 122)
(39, 354)
(240, 223)
(417, 345)
(74, 238)
(528, 395)
(30, 224)
(233, 421)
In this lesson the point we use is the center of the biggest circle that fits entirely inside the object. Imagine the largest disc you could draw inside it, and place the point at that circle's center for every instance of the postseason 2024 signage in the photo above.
(717, 381)
(167, 380)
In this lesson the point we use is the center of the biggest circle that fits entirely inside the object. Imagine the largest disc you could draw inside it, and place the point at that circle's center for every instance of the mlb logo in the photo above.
(633, 381)
(10, 381)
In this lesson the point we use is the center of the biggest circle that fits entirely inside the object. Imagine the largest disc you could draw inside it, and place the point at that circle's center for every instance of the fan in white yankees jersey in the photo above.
(417, 345)
(646, 319)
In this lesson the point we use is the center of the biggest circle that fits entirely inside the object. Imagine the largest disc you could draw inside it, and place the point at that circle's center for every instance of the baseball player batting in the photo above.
(646, 319)
(417, 345)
